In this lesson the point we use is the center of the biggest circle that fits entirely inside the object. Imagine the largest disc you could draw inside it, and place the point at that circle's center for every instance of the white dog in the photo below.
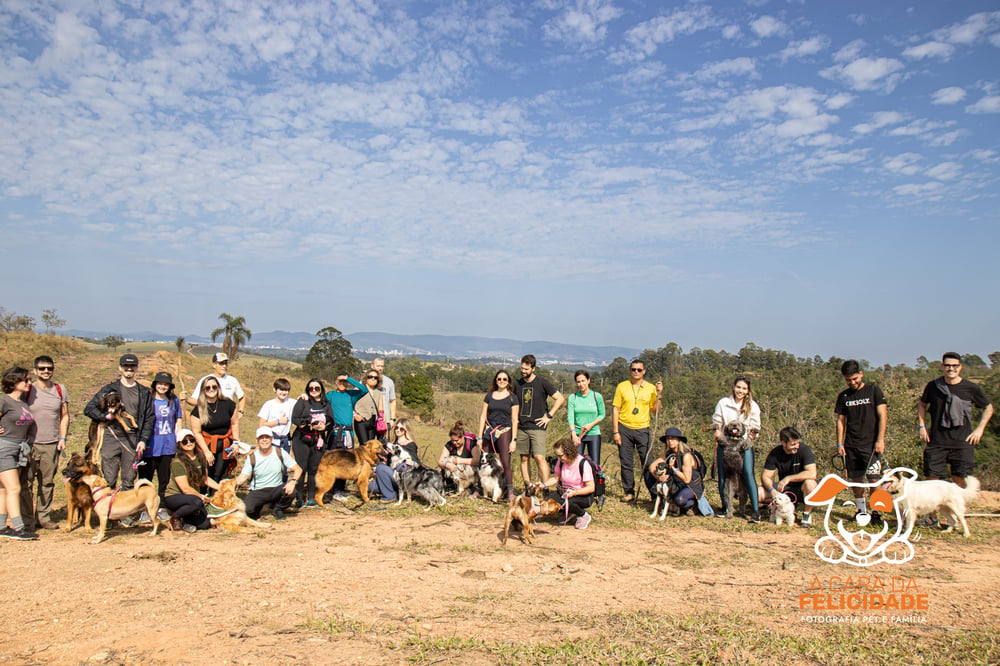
(923, 497)
(782, 509)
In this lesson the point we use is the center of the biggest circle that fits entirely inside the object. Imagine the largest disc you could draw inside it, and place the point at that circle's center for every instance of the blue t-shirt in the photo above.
(343, 402)
(164, 440)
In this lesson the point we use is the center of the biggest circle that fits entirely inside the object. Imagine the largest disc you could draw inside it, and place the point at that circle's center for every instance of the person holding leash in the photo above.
(680, 464)
(585, 411)
(498, 425)
(575, 477)
(533, 393)
(635, 400)
(862, 416)
(740, 406)
(791, 468)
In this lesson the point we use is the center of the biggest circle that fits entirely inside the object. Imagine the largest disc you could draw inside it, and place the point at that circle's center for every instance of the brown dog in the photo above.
(79, 502)
(237, 520)
(116, 504)
(351, 465)
(524, 509)
(109, 403)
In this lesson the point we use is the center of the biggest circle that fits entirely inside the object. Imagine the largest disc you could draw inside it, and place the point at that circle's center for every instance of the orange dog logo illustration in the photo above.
(865, 545)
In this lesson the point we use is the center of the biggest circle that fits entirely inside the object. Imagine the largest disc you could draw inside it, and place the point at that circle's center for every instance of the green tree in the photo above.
(179, 343)
(51, 320)
(234, 332)
(417, 392)
(994, 359)
(330, 355)
(113, 342)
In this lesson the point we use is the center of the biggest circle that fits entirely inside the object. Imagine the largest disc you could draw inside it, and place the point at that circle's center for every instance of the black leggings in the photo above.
(501, 447)
(188, 508)
(578, 504)
(160, 465)
(308, 457)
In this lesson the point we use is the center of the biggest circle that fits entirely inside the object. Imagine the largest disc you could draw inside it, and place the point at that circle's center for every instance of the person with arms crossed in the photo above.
(862, 416)
(950, 437)
(635, 400)
(388, 390)
(533, 393)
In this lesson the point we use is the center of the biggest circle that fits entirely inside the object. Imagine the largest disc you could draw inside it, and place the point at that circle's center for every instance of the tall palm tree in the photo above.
(234, 333)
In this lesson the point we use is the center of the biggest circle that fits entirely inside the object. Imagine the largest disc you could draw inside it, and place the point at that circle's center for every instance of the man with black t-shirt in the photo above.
(794, 465)
(862, 415)
(533, 393)
(949, 436)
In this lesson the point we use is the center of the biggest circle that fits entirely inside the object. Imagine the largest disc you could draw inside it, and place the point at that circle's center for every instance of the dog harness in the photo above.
(111, 496)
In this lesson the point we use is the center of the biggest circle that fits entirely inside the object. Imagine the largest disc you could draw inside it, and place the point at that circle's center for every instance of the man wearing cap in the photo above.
(272, 474)
(229, 385)
(121, 448)
(49, 404)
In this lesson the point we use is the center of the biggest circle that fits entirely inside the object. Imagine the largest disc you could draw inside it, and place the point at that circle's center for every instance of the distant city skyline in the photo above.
(820, 178)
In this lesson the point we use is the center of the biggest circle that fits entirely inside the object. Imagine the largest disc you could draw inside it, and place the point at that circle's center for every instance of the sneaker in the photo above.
(189, 528)
(47, 525)
(127, 521)
(583, 521)
(6, 532)
(341, 496)
(311, 504)
(628, 498)
(176, 524)
(278, 514)
(163, 515)
(754, 517)
(144, 518)
(23, 534)
(807, 520)
(877, 519)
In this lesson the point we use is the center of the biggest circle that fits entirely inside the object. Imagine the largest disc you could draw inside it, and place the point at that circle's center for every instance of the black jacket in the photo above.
(144, 420)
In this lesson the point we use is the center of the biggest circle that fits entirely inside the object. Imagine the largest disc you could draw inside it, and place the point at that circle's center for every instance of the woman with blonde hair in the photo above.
(739, 406)
(383, 484)
(215, 424)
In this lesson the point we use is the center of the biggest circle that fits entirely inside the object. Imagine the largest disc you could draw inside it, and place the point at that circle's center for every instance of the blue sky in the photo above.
(813, 176)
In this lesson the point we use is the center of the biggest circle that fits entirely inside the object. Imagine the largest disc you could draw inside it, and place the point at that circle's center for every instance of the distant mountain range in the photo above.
(368, 343)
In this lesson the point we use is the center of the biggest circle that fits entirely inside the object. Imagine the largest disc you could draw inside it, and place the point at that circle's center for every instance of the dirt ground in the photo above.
(387, 586)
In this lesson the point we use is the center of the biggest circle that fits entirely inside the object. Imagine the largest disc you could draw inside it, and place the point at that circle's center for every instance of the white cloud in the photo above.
(945, 171)
(995, 39)
(731, 32)
(645, 38)
(582, 22)
(735, 67)
(767, 26)
(930, 190)
(988, 104)
(805, 47)
(905, 164)
(850, 51)
(880, 74)
(970, 30)
(839, 101)
(950, 95)
(879, 120)
(930, 50)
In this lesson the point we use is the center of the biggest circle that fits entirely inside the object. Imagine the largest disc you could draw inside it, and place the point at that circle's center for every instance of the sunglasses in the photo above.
(45, 368)
(637, 369)
(371, 377)
(952, 365)
(211, 387)
(501, 380)
(189, 440)
(315, 388)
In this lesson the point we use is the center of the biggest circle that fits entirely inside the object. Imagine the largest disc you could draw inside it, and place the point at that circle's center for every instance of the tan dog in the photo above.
(237, 519)
(524, 509)
(116, 504)
(79, 501)
(348, 464)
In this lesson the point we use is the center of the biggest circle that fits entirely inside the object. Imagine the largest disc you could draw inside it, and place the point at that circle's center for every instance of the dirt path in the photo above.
(398, 585)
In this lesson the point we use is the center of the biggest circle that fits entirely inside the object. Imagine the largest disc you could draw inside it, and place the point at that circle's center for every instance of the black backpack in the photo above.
(599, 479)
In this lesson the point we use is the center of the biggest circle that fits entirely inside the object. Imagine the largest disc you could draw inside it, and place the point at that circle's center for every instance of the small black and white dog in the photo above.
(735, 440)
(412, 478)
(491, 476)
(663, 490)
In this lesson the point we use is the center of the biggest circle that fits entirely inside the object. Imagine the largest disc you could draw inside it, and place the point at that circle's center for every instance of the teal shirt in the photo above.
(582, 410)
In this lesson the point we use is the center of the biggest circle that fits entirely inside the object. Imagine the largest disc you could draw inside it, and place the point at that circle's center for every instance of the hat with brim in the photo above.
(673, 432)
(164, 378)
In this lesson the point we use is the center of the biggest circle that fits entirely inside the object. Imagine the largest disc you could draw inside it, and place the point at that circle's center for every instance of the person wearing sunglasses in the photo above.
(49, 405)
(216, 425)
(231, 387)
(498, 425)
(949, 435)
(17, 432)
(121, 448)
(739, 406)
(369, 409)
(634, 402)
(183, 497)
(312, 419)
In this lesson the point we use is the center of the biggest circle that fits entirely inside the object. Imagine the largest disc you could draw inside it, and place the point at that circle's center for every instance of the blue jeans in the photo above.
(383, 483)
(748, 478)
(591, 445)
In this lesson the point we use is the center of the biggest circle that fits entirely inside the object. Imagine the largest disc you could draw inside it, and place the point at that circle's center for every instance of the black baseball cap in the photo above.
(128, 359)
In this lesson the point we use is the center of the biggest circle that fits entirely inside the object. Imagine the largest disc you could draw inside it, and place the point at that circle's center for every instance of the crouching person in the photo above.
(575, 476)
(272, 474)
(188, 474)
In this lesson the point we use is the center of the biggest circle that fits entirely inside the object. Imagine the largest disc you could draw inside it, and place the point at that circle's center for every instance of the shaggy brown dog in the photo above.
(79, 502)
(351, 465)
(237, 519)
(524, 509)
(109, 403)
(116, 504)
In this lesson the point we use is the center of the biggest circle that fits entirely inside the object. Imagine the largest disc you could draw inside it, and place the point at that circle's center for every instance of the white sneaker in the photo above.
(163, 515)
(583, 521)
(144, 518)
(807, 520)
(341, 496)
(128, 521)
(189, 528)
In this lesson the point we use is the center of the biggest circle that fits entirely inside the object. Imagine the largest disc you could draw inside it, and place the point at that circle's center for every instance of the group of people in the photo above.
(189, 459)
